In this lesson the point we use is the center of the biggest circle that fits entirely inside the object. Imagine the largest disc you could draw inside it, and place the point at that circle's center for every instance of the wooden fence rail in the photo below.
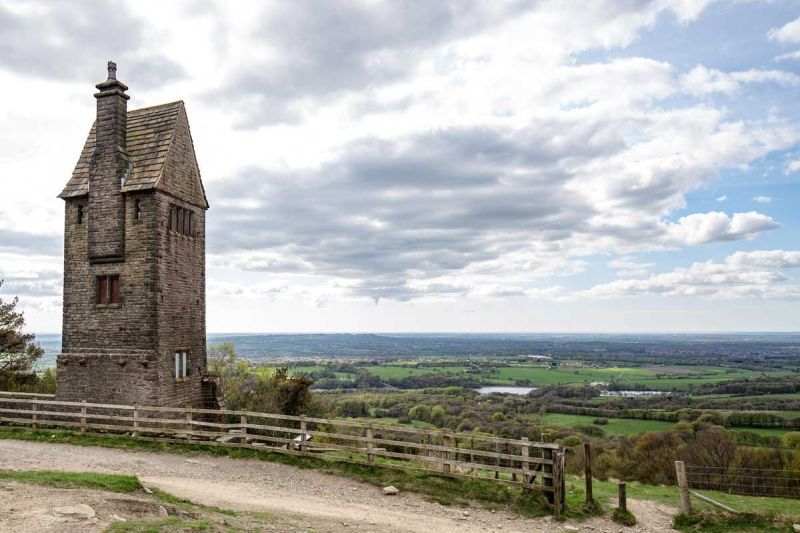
(519, 462)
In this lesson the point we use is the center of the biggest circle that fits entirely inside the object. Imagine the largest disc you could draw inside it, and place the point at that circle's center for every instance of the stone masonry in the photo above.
(136, 169)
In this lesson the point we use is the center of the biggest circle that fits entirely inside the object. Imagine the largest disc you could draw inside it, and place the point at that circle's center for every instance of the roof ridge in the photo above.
(176, 103)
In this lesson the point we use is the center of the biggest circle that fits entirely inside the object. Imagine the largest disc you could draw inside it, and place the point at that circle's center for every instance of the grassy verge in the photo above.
(109, 482)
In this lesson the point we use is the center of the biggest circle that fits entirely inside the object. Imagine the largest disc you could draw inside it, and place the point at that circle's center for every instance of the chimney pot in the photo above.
(112, 70)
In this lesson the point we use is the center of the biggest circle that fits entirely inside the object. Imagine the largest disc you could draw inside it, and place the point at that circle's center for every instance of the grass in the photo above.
(606, 491)
(183, 503)
(171, 524)
(615, 426)
(70, 480)
(718, 523)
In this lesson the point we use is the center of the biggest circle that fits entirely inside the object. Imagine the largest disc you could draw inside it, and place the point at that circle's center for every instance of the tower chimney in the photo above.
(108, 171)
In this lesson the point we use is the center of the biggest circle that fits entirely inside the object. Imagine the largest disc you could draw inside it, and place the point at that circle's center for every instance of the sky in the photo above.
(462, 166)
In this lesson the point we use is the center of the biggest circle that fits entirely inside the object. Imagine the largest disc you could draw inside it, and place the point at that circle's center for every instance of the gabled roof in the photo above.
(150, 136)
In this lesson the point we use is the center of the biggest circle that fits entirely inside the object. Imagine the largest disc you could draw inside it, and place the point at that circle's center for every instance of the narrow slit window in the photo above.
(185, 364)
(137, 209)
(177, 365)
(102, 290)
(80, 214)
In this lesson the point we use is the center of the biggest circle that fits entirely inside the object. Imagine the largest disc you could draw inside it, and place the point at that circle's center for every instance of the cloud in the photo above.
(758, 274)
(762, 199)
(792, 166)
(789, 56)
(306, 60)
(700, 228)
(701, 80)
(723, 198)
(71, 40)
(627, 267)
(788, 33)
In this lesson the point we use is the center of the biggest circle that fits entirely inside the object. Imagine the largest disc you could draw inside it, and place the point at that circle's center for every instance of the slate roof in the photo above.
(149, 136)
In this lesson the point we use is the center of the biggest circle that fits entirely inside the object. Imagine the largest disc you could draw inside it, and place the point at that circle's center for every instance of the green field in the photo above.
(400, 372)
(615, 426)
(651, 377)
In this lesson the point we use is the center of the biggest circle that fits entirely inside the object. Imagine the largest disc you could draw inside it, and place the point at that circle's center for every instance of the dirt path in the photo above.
(314, 500)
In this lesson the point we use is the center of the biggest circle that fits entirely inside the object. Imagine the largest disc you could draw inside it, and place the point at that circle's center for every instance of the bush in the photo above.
(600, 421)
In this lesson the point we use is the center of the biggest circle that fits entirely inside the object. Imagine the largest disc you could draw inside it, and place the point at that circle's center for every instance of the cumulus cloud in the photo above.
(788, 33)
(759, 274)
(700, 228)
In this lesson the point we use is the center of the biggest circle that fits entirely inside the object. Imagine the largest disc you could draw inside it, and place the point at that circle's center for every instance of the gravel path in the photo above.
(323, 502)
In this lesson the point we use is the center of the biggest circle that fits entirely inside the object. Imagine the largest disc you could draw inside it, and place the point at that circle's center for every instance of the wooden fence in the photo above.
(519, 462)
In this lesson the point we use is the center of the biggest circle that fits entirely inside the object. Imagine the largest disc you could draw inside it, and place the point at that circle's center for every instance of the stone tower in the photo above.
(134, 260)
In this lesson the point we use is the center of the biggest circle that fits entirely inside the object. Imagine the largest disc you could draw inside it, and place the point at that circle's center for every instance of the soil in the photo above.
(275, 497)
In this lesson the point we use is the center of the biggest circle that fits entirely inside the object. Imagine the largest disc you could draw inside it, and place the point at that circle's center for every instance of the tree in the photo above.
(18, 350)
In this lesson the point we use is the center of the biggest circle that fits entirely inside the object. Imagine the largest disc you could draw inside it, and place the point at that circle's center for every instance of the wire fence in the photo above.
(745, 481)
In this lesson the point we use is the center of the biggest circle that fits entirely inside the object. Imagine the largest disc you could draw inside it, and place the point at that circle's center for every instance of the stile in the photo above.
(243, 430)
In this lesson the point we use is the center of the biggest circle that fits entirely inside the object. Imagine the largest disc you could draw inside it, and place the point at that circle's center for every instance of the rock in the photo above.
(162, 511)
(391, 490)
(192, 462)
(465, 513)
(572, 528)
(147, 490)
(796, 527)
(116, 518)
(81, 511)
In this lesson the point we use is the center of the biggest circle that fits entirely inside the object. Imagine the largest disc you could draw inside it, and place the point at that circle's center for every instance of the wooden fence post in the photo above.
(135, 422)
(587, 471)
(446, 443)
(34, 417)
(683, 485)
(558, 483)
(623, 498)
(547, 453)
(243, 430)
(302, 434)
(83, 417)
(189, 422)
(369, 443)
(526, 467)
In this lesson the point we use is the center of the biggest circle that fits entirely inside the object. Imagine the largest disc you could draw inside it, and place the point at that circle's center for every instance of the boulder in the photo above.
(391, 490)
